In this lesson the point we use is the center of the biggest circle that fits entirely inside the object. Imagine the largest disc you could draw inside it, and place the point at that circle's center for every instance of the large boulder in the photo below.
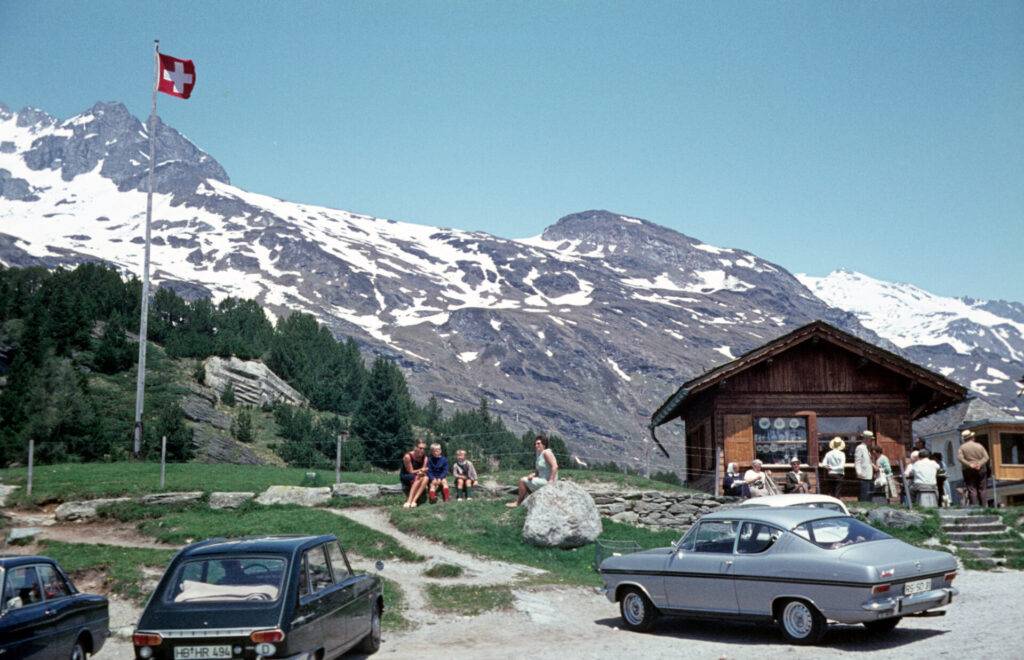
(254, 383)
(898, 518)
(561, 515)
(365, 491)
(295, 495)
(84, 509)
(6, 490)
(229, 500)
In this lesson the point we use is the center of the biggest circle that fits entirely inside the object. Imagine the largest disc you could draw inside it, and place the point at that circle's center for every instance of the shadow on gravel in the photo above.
(839, 637)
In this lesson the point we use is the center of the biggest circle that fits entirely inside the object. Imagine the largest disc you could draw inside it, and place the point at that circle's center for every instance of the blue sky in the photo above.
(886, 138)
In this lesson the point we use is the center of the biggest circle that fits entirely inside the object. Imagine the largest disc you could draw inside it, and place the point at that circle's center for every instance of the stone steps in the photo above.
(956, 537)
(987, 543)
(971, 520)
(974, 529)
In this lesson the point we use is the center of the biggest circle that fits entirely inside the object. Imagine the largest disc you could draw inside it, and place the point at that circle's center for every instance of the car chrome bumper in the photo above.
(900, 605)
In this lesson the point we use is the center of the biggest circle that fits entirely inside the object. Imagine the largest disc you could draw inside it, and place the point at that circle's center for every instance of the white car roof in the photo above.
(793, 499)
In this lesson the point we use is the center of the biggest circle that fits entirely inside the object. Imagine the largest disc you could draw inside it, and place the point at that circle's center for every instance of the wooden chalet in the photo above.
(791, 396)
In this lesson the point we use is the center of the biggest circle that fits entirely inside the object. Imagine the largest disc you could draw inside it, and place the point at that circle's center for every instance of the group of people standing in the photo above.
(428, 474)
(923, 472)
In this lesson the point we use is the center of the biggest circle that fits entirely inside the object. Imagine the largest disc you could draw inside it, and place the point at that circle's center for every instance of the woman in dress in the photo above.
(545, 471)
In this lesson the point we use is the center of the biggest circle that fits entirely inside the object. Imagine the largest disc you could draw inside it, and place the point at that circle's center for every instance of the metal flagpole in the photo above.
(140, 382)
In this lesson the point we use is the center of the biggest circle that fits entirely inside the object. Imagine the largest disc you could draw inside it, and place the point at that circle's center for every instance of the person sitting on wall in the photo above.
(796, 482)
(835, 465)
(733, 483)
(414, 473)
(757, 479)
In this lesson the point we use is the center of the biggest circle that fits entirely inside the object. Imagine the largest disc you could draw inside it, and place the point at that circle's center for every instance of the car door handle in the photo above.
(299, 620)
(49, 612)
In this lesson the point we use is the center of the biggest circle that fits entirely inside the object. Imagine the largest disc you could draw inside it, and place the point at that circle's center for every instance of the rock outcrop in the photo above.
(295, 495)
(84, 509)
(897, 518)
(254, 383)
(364, 491)
(561, 515)
(229, 500)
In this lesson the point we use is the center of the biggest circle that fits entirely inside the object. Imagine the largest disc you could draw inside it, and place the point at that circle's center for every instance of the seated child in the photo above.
(437, 473)
(465, 476)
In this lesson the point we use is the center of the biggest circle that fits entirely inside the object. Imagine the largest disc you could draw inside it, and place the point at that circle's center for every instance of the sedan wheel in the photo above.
(638, 612)
(371, 643)
(77, 653)
(801, 622)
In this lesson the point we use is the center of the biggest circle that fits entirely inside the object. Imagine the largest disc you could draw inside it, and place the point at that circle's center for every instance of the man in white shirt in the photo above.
(924, 472)
(863, 467)
(835, 465)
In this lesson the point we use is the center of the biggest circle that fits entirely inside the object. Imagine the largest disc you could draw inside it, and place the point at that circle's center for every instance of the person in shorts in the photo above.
(465, 476)
(437, 473)
(413, 474)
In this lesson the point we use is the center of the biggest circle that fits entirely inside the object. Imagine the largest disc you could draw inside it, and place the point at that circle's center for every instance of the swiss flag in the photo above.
(177, 77)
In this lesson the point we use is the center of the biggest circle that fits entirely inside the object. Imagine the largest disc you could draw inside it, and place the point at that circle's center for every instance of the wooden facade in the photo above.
(777, 394)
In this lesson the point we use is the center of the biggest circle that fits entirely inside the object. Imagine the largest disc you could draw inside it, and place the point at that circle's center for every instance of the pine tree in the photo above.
(381, 420)
(227, 397)
(242, 426)
(114, 353)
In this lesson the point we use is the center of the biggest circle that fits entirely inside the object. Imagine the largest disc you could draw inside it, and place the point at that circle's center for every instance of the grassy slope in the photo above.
(71, 481)
(492, 530)
(122, 566)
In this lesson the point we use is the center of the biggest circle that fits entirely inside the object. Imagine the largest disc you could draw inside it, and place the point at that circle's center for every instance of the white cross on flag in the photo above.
(177, 77)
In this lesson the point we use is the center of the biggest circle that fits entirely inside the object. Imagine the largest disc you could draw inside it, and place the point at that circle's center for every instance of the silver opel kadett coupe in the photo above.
(798, 567)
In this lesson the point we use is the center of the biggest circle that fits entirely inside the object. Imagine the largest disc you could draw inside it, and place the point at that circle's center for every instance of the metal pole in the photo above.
(144, 314)
(995, 492)
(337, 459)
(31, 461)
(163, 459)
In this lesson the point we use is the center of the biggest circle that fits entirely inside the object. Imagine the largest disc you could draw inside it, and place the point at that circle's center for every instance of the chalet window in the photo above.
(847, 428)
(1013, 448)
(778, 439)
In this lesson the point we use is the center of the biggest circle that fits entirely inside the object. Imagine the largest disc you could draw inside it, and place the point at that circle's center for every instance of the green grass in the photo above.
(122, 566)
(185, 526)
(469, 600)
(583, 476)
(491, 530)
(74, 481)
(394, 607)
(444, 571)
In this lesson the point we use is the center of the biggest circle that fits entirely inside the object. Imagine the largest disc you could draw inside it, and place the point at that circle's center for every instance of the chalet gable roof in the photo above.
(948, 391)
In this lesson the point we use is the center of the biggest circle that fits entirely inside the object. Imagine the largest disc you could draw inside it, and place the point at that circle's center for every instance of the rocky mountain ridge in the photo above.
(582, 330)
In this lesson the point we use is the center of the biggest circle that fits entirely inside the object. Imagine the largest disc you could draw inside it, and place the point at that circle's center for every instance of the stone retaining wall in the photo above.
(660, 510)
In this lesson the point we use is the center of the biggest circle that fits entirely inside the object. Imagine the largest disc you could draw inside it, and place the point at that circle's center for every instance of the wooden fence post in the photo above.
(31, 461)
(163, 459)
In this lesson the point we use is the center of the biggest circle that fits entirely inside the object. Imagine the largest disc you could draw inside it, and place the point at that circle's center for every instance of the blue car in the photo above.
(293, 597)
(43, 616)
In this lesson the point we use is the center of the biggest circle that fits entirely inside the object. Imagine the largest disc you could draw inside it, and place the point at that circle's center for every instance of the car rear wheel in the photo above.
(882, 626)
(77, 652)
(801, 622)
(371, 643)
(638, 612)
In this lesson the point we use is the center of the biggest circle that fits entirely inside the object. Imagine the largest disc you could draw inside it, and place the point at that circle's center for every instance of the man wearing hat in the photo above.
(835, 465)
(863, 466)
(973, 459)
(795, 480)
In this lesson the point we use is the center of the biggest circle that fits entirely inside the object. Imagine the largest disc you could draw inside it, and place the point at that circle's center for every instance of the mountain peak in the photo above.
(34, 117)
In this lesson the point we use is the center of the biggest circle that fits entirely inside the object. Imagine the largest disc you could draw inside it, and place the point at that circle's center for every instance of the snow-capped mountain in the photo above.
(582, 330)
(979, 343)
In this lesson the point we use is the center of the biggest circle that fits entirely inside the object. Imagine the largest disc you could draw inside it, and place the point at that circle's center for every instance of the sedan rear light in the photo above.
(146, 639)
(267, 636)
(880, 589)
(948, 577)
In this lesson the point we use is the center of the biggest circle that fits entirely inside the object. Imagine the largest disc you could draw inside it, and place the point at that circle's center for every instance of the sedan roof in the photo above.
(270, 544)
(785, 517)
(11, 561)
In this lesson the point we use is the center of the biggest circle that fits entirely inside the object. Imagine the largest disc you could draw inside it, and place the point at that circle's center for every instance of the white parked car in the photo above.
(808, 500)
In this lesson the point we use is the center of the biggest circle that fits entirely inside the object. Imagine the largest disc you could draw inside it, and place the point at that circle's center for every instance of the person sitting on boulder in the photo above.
(414, 473)
(465, 476)
(545, 471)
(437, 473)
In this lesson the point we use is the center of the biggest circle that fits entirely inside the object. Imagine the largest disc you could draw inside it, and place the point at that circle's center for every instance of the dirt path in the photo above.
(124, 535)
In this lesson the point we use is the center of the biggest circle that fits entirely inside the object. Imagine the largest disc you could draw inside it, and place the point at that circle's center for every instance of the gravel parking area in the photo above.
(985, 622)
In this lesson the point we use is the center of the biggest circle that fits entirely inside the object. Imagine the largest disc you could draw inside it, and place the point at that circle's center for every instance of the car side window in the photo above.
(54, 586)
(756, 537)
(338, 563)
(715, 536)
(22, 588)
(319, 570)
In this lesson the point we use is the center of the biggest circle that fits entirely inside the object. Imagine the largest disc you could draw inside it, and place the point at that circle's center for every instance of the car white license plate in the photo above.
(205, 652)
(916, 587)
